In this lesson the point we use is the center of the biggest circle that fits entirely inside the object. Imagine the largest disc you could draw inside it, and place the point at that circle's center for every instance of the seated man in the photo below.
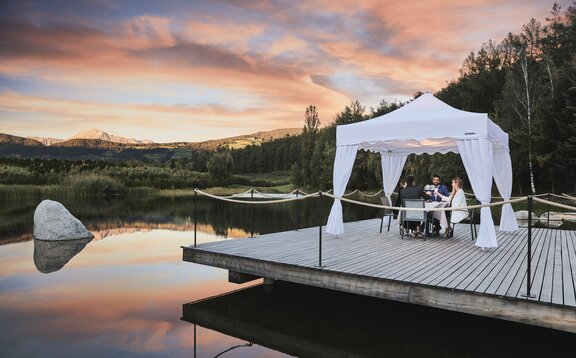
(410, 191)
(438, 188)
(436, 194)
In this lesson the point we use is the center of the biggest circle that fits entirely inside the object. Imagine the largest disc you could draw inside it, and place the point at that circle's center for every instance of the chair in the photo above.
(386, 212)
(469, 220)
(411, 216)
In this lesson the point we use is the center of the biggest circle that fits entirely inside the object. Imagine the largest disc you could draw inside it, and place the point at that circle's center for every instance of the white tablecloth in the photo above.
(440, 215)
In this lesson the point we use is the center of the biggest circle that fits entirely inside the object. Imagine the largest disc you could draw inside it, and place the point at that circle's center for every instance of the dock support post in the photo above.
(548, 216)
(320, 233)
(251, 213)
(298, 211)
(529, 251)
(195, 214)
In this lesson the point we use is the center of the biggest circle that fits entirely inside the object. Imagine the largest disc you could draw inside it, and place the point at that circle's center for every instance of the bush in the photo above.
(94, 184)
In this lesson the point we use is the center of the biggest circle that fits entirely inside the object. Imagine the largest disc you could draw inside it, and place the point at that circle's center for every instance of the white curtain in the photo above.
(392, 166)
(477, 158)
(343, 163)
(502, 170)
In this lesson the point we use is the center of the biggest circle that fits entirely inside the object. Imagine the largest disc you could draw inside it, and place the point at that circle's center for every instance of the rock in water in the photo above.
(52, 221)
(522, 217)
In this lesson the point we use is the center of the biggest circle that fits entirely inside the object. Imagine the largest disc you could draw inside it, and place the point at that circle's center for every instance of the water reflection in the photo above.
(119, 297)
(110, 216)
(311, 322)
(50, 256)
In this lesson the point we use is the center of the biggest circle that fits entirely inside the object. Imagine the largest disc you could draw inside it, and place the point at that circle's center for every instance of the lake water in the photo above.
(126, 293)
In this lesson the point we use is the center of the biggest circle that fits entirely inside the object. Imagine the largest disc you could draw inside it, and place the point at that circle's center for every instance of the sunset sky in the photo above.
(195, 70)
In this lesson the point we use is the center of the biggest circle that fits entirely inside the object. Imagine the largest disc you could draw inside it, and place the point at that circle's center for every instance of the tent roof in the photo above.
(425, 125)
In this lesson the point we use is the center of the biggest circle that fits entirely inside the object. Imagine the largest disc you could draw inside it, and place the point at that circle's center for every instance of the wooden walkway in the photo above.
(452, 273)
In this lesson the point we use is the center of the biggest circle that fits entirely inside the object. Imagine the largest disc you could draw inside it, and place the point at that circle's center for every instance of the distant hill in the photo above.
(12, 139)
(101, 149)
(242, 141)
(96, 138)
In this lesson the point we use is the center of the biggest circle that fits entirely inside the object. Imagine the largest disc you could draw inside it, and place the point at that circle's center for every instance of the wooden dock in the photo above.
(450, 274)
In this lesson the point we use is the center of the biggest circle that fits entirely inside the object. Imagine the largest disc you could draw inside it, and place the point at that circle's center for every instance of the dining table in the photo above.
(437, 214)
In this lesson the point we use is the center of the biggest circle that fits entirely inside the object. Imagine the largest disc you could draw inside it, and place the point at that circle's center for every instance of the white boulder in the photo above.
(522, 218)
(52, 221)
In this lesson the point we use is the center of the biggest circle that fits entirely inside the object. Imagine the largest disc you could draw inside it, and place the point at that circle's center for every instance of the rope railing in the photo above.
(275, 195)
(284, 198)
(551, 203)
(257, 202)
(512, 197)
(239, 194)
(363, 203)
(350, 193)
(370, 195)
(378, 206)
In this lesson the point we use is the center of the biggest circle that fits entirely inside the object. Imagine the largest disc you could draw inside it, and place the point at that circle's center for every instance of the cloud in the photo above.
(257, 67)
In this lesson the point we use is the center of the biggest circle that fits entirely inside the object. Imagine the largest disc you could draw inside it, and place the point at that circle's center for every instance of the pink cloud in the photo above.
(269, 61)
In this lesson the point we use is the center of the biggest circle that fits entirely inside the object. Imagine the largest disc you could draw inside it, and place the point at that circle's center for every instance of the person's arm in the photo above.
(426, 196)
(443, 190)
(444, 197)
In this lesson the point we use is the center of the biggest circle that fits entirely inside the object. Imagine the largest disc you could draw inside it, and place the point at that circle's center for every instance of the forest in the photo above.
(526, 83)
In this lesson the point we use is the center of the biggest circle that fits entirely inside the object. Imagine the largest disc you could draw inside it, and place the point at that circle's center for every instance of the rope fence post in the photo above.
(299, 213)
(320, 233)
(529, 251)
(195, 214)
(548, 216)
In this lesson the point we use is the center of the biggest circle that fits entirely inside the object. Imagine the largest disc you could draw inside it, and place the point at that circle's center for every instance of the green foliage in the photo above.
(524, 84)
(221, 166)
(90, 184)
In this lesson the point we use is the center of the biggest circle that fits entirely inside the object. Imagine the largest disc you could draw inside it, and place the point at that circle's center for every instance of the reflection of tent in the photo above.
(428, 125)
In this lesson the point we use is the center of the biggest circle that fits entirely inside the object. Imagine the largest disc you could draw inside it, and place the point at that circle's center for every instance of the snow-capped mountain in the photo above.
(101, 135)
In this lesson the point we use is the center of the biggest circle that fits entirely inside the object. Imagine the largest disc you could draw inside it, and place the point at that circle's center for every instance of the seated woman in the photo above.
(457, 199)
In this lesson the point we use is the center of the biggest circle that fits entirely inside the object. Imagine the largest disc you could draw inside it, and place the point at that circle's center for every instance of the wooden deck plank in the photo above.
(494, 270)
(429, 259)
(544, 273)
(449, 266)
(557, 284)
(518, 285)
(509, 267)
(436, 262)
(570, 287)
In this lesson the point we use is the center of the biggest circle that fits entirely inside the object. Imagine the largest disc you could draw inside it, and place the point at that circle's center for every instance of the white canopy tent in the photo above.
(428, 125)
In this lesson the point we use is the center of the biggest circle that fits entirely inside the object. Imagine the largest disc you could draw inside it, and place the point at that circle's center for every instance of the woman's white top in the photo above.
(459, 201)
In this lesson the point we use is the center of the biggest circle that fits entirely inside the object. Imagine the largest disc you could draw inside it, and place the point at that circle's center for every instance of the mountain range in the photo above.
(93, 133)
(94, 137)
(97, 144)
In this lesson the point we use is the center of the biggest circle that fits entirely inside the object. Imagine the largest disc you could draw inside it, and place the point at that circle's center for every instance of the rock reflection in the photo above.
(51, 256)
